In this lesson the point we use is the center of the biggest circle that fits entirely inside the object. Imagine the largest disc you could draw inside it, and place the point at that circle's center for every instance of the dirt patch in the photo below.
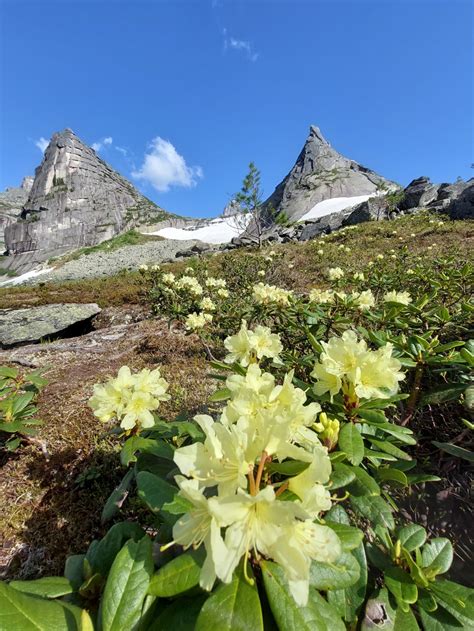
(51, 503)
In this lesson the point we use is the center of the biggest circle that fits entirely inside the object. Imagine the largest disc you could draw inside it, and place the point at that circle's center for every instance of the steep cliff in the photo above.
(321, 173)
(12, 201)
(76, 200)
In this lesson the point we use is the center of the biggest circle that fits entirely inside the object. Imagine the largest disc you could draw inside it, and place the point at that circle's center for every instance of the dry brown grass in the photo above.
(51, 507)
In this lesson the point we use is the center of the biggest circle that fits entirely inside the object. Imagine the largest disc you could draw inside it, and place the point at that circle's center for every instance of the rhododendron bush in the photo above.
(277, 509)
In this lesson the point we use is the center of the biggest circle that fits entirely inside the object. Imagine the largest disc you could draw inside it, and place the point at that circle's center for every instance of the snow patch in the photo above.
(328, 206)
(220, 230)
(18, 280)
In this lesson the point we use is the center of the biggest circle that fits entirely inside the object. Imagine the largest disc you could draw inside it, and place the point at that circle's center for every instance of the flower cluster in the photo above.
(270, 294)
(130, 398)
(347, 364)
(247, 347)
(335, 273)
(237, 507)
(402, 297)
(190, 284)
(195, 320)
(363, 300)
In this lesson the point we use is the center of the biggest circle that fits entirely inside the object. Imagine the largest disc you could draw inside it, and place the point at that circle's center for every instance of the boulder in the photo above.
(374, 209)
(418, 193)
(462, 206)
(20, 326)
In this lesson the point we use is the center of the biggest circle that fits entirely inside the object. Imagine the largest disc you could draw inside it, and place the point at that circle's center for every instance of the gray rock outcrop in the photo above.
(12, 201)
(76, 200)
(19, 326)
(419, 192)
(321, 173)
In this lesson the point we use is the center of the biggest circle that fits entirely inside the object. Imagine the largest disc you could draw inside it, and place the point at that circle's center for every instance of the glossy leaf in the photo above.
(412, 536)
(20, 611)
(317, 615)
(47, 587)
(176, 577)
(338, 575)
(437, 556)
(127, 586)
(232, 607)
(352, 443)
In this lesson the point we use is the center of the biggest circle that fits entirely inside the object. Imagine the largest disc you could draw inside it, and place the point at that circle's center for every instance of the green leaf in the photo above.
(437, 557)
(403, 434)
(389, 474)
(454, 450)
(412, 536)
(457, 599)
(375, 509)
(8, 373)
(73, 570)
(446, 392)
(373, 417)
(349, 536)
(401, 585)
(439, 620)
(220, 395)
(405, 621)
(101, 554)
(155, 492)
(178, 506)
(349, 601)
(232, 607)
(342, 475)
(181, 615)
(317, 615)
(116, 498)
(176, 577)
(389, 448)
(364, 483)
(352, 443)
(127, 586)
(47, 587)
(21, 401)
(288, 468)
(144, 445)
(338, 575)
(24, 612)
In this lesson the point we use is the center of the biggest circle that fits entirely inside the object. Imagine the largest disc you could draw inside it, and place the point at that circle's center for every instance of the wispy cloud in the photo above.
(163, 167)
(97, 146)
(42, 143)
(121, 150)
(240, 44)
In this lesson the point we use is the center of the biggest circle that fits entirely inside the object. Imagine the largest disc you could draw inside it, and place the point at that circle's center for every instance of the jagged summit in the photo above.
(76, 200)
(321, 173)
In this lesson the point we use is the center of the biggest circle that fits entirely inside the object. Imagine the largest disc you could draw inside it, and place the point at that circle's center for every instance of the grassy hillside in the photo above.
(53, 502)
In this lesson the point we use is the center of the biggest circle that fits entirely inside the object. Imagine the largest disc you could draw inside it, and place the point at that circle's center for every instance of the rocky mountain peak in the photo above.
(75, 200)
(321, 173)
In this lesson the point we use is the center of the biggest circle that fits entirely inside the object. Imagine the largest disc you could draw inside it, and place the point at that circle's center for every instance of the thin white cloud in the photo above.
(42, 143)
(163, 167)
(240, 44)
(97, 146)
(121, 150)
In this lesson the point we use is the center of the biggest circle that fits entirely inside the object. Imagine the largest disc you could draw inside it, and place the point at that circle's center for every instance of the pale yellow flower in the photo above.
(402, 297)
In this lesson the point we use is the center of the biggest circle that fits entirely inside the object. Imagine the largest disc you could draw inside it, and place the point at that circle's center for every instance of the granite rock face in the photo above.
(418, 193)
(76, 200)
(322, 173)
(19, 326)
(11, 204)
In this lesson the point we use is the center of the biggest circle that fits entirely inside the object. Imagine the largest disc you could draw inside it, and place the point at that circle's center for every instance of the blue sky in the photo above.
(182, 95)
